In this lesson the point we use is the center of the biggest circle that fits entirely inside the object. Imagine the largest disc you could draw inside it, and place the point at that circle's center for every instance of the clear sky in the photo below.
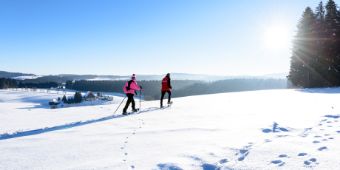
(221, 37)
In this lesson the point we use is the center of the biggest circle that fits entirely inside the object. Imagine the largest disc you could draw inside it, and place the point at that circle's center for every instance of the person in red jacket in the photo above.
(129, 89)
(166, 88)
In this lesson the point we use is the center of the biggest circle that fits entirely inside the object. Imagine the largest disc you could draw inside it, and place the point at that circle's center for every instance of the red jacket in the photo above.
(166, 86)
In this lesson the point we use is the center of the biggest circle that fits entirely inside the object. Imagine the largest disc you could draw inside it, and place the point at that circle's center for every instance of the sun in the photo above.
(277, 37)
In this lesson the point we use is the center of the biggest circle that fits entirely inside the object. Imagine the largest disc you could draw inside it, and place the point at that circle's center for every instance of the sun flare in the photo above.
(277, 37)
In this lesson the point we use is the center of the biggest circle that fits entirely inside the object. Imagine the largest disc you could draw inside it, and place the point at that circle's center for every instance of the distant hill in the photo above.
(62, 78)
(5, 74)
(186, 76)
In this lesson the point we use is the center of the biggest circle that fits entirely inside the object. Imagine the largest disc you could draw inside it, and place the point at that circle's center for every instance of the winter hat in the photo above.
(133, 77)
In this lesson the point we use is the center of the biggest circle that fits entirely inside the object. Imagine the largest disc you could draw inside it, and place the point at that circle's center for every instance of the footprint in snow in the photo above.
(283, 156)
(223, 161)
(243, 154)
(310, 162)
(312, 159)
(323, 148)
(331, 138)
(338, 131)
(307, 162)
(327, 135)
(302, 154)
(317, 136)
(316, 141)
(278, 162)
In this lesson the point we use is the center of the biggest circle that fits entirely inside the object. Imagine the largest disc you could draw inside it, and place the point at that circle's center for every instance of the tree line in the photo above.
(152, 88)
(12, 83)
(7, 83)
(315, 60)
(181, 88)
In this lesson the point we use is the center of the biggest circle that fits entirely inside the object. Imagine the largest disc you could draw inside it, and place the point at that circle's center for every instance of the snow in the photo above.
(26, 77)
(107, 79)
(269, 129)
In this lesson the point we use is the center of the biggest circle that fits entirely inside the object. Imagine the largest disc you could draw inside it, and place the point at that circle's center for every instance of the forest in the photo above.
(315, 60)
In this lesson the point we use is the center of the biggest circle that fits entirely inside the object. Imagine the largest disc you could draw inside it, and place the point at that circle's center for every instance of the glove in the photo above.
(140, 87)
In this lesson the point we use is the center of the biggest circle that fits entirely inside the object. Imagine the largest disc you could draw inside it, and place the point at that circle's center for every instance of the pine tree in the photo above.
(64, 99)
(319, 64)
(78, 97)
(301, 71)
(320, 12)
(332, 30)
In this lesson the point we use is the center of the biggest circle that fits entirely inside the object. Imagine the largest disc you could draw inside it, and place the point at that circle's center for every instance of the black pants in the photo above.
(169, 96)
(129, 100)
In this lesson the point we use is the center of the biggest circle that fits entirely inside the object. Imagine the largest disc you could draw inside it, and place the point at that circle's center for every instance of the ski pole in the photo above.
(140, 99)
(119, 105)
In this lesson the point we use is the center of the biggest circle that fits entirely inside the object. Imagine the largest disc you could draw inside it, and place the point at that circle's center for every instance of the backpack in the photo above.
(129, 83)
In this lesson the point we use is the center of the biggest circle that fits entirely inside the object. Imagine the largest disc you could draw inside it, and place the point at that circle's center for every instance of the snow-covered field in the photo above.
(270, 129)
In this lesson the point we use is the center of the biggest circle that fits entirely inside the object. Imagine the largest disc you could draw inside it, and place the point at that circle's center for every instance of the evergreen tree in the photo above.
(320, 12)
(78, 97)
(64, 99)
(316, 54)
(319, 64)
(304, 50)
(332, 29)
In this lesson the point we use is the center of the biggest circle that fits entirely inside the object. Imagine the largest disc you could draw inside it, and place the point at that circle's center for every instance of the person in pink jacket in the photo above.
(129, 89)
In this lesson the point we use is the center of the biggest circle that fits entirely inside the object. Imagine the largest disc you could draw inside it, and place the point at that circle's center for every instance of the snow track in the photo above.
(273, 129)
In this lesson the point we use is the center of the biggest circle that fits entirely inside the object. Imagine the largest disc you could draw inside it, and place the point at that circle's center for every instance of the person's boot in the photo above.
(169, 102)
(124, 112)
(135, 110)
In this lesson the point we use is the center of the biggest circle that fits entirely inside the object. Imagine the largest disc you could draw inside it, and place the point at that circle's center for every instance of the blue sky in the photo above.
(221, 37)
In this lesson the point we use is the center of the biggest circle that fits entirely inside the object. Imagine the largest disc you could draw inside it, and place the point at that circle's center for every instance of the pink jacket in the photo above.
(133, 87)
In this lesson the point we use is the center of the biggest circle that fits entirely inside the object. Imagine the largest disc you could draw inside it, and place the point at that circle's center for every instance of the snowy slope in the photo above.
(273, 129)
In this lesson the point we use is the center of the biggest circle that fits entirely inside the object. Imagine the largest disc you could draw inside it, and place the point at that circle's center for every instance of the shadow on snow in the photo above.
(320, 90)
(66, 126)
